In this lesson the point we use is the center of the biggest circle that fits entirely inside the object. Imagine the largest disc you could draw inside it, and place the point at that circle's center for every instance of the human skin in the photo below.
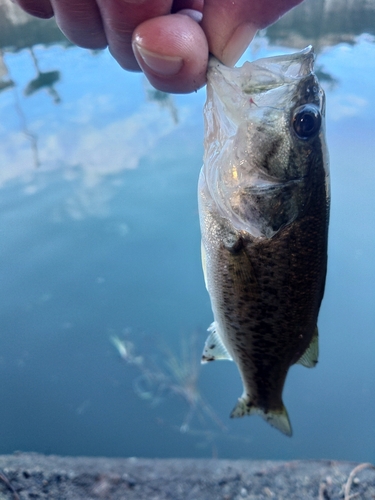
(168, 40)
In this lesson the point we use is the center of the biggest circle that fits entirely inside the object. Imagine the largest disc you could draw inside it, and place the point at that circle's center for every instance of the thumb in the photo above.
(230, 26)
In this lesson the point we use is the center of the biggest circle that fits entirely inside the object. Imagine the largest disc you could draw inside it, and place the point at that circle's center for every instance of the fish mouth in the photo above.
(263, 74)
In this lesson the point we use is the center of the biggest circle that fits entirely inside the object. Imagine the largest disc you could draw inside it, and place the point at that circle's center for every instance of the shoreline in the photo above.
(32, 475)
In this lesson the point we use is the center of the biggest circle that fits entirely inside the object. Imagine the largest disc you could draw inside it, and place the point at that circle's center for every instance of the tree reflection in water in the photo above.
(176, 375)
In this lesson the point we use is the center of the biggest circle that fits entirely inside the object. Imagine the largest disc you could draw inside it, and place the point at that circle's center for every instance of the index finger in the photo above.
(80, 22)
(37, 8)
(121, 17)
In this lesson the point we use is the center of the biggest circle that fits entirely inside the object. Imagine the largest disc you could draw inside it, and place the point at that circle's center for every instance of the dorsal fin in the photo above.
(214, 348)
(310, 357)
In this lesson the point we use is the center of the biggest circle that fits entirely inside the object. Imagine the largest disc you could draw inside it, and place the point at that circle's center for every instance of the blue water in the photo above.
(99, 238)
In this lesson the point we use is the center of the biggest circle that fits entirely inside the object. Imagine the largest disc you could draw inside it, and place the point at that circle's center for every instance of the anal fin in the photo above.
(310, 357)
(214, 348)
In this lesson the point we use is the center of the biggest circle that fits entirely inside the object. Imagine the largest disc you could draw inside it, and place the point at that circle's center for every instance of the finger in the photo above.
(37, 8)
(80, 21)
(121, 17)
(230, 27)
(173, 53)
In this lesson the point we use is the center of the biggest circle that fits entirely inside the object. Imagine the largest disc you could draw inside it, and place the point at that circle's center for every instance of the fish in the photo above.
(264, 199)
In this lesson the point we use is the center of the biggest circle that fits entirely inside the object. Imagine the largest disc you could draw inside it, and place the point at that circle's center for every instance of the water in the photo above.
(100, 238)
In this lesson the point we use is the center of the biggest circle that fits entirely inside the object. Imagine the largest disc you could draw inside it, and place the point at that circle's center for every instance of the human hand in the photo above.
(168, 40)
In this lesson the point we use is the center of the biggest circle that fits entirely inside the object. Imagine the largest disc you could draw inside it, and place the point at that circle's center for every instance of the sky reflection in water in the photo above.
(100, 238)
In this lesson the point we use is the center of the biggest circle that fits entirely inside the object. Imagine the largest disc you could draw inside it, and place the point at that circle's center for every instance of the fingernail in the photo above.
(158, 64)
(195, 15)
(238, 43)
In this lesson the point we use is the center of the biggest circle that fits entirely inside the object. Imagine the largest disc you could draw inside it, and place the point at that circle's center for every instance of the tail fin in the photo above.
(277, 418)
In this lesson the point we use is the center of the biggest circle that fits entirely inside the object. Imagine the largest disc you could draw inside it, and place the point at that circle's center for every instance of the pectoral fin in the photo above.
(310, 357)
(214, 348)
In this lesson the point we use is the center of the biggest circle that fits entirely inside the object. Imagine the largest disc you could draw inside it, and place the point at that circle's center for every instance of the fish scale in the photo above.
(264, 209)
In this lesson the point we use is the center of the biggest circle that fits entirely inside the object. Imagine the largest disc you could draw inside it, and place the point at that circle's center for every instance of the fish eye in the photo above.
(306, 121)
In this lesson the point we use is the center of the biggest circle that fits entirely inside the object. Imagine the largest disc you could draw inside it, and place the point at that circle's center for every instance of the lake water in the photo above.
(99, 239)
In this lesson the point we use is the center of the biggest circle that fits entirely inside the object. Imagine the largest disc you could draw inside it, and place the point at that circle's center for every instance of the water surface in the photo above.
(99, 238)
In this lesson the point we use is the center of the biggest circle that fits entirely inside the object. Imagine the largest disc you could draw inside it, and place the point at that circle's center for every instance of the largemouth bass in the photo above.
(264, 209)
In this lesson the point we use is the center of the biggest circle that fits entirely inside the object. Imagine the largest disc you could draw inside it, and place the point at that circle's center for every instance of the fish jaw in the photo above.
(260, 76)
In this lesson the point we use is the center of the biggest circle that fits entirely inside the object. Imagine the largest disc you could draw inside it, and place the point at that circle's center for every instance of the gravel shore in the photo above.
(34, 476)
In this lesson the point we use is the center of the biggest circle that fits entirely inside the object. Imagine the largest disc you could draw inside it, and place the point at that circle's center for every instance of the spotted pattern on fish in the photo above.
(266, 290)
(277, 298)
